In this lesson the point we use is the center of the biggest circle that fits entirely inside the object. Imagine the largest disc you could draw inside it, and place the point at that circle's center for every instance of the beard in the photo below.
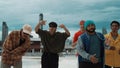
(91, 30)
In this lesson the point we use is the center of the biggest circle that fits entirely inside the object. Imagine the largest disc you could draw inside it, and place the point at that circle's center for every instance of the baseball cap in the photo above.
(27, 29)
(52, 24)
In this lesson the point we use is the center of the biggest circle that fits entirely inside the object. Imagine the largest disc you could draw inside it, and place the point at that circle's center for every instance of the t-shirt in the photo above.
(76, 35)
(52, 43)
(95, 46)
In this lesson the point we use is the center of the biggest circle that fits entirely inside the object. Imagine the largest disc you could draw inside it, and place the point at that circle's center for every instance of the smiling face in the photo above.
(90, 28)
(114, 27)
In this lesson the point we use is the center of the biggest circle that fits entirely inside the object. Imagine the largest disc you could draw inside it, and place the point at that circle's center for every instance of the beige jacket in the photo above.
(112, 57)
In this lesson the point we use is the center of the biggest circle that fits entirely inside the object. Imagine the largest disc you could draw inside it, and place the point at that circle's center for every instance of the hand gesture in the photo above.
(107, 41)
(74, 44)
(42, 22)
(62, 26)
(112, 48)
(93, 59)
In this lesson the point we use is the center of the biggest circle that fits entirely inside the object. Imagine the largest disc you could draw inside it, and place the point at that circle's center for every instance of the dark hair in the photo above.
(115, 22)
(52, 24)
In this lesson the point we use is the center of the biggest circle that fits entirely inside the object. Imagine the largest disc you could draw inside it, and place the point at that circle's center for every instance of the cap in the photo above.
(52, 24)
(27, 29)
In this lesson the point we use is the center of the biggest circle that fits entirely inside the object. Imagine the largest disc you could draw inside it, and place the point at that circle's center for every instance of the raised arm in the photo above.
(39, 25)
(66, 30)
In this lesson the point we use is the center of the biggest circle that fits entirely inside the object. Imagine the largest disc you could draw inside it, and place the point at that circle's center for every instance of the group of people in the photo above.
(94, 49)
(18, 42)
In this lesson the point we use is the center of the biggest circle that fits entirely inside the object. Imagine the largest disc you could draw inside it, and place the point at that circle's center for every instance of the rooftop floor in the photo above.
(64, 61)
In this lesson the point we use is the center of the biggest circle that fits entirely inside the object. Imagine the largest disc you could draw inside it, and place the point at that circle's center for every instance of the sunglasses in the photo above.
(25, 33)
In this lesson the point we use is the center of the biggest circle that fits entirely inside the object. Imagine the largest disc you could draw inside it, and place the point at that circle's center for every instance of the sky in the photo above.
(68, 12)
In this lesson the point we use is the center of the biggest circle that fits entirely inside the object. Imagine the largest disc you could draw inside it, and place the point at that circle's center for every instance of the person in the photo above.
(76, 35)
(15, 46)
(112, 57)
(53, 43)
(90, 46)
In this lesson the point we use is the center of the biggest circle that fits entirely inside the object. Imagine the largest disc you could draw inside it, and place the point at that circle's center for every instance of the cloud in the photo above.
(68, 12)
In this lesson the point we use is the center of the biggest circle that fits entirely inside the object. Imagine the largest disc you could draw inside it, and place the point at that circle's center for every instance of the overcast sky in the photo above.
(69, 12)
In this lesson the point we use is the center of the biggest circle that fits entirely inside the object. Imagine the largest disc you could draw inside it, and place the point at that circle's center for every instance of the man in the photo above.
(91, 47)
(53, 42)
(112, 57)
(76, 35)
(15, 46)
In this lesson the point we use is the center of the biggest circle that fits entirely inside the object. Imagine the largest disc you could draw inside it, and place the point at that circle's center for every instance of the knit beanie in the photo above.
(88, 22)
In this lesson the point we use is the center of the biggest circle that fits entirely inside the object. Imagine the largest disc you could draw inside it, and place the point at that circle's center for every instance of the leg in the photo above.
(98, 65)
(54, 58)
(89, 65)
(45, 61)
(5, 65)
(18, 65)
(78, 62)
(106, 66)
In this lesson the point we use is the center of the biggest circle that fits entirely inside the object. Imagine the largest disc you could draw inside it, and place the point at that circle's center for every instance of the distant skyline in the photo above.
(68, 12)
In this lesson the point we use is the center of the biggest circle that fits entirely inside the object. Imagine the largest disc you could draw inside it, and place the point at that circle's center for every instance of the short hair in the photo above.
(82, 22)
(115, 22)
(52, 24)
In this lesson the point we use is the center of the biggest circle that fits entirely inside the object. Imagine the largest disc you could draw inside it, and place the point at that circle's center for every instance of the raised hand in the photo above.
(42, 22)
(62, 26)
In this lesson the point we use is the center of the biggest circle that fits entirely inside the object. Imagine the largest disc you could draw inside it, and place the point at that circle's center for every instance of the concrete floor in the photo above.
(35, 61)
